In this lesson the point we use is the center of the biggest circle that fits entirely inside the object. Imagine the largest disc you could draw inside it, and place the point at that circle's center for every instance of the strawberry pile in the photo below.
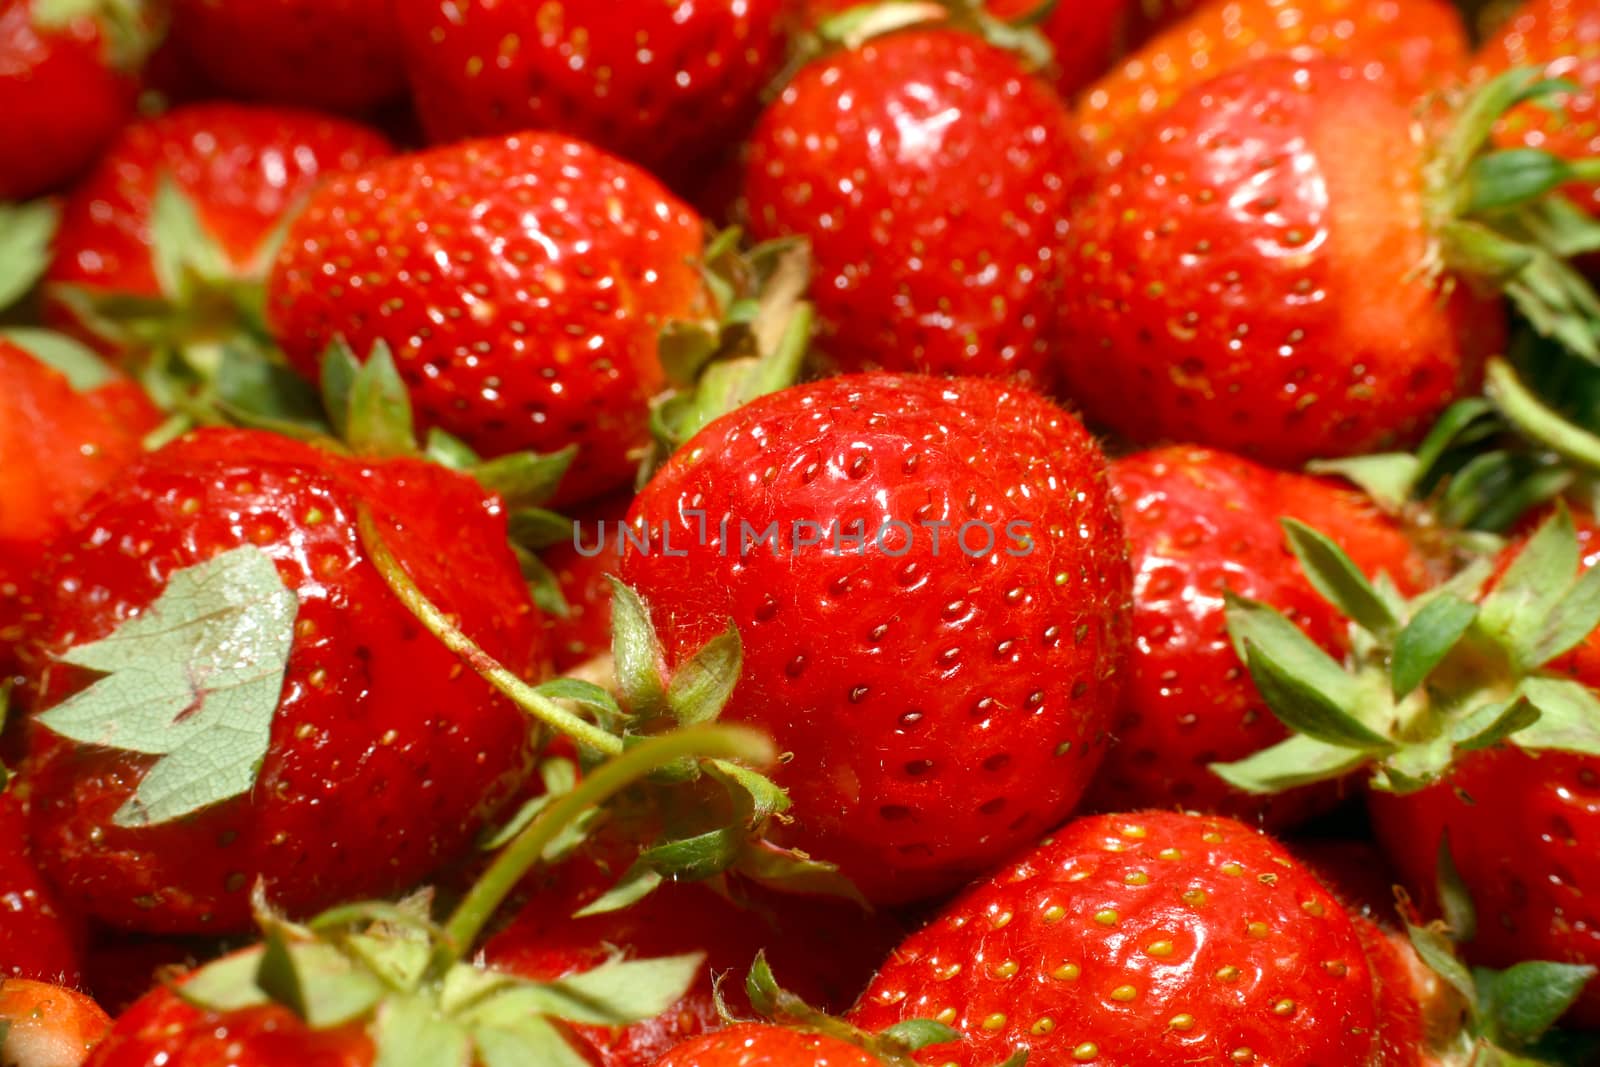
(772, 533)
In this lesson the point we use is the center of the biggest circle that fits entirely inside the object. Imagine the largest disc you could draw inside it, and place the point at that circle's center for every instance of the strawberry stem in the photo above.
(490, 669)
(605, 781)
(1537, 420)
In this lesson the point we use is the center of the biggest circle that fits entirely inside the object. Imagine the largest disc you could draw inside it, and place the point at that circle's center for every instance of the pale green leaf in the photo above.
(379, 421)
(26, 231)
(75, 361)
(1335, 575)
(1439, 954)
(229, 984)
(410, 1032)
(1515, 612)
(1427, 639)
(1572, 620)
(1298, 761)
(1569, 716)
(195, 680)
(1528, 998)
(181, 249)
(529, 1042)
(637, 652)
(701, 687)
(616, 993)
(636, 883)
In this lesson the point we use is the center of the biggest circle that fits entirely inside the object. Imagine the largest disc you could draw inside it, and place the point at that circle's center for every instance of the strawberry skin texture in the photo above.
(57, 448)
(943, 708)
(1562, 37)
(585, 581)
(1409, 47)
(334, 55)
(60, 100)
(763, 1045)
(245, 168)
(47, 1024)
(932, 176)
(1251, 273)
(520, 282)
(386, 757)
(1201, 523)
(39, 938)
(1149, 939)
(661, 82)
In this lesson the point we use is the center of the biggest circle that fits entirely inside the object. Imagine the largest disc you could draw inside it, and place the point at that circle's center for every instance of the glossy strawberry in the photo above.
(763, 1045)
(520, 283)
(1154, 939)
(244, 169)
(583, 566)
(338, 55)
(66, 86)
(1563, 38)
(47, 1025)
(39, 938)
(1202, 524)
(932, 175)
(1253, 274)
(382, 757)
(934, 626)
(664, 84)
(1410, 47)
(68, 425)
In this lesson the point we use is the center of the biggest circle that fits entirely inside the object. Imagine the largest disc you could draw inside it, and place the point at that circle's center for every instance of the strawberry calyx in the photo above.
(710, 818)
(1462, 667)
(1501, 220)
(401, 976)
(26, 232)
(854, 26)
(130, 29)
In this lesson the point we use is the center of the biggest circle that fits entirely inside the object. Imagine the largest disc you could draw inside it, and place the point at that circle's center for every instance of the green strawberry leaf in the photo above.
(447, 450)
(528, 1042)
(316, 981)
(619, 992)
(1492, 723)
(1455, 900)
(411, 1032)
(1569, 717)
(26, 232)
(1425, 641)
(5, 713)
(378, 421)
(1535, 582)
(339, 370)
(76, 362)
(538, 529)
(1298, 761)
(1390, 479)
(227, 985)
(525, 479)
(1512, 176)
(1439, 954)
(1524, 1001)
(586, 695)
(544, 587)
(182, 250)
(913, 1035)
(701, 687)
(638, 653)
(1573, 619)
(1339, 580)
(698, 857)
(194, 680)
(636, 883)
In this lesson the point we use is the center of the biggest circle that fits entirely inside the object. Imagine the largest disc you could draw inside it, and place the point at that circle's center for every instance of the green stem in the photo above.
(1537, 420)
(488, 668)
(604, 782)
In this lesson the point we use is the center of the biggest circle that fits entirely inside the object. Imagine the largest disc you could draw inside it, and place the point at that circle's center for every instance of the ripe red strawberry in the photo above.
(520, 283)
(337, 55)
(66, 87)
(1562, 37)
(244, 170)
(583, 566)
(1410, 47)
(1256, 273)
(379, 757)
(935, 626)
(931, 174)
(1155, 939)
(763, 1045)
(47, 1025)
(68, 425)
(39, 938)
(664, 84)
(1202, 524)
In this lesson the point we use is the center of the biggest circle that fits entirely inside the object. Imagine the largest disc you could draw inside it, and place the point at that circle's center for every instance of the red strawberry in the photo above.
(762, 1045)
(47, 1026)
(39, 938)
(661, 82)
(520, 283)
(244, 170)
(935, 628)
(1409, 47)
(379, 756)
(68, 425)
(1563, 37)
(119, 969)
(1255, 274)
(1153, 939)
(1202, 524)
(66, 86)
(339, 55)
(931, 174)
(583, 566)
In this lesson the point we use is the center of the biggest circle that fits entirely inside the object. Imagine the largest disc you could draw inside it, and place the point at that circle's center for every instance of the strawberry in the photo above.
(676, 82)
(1156, 939)
(119, 969)
(582, 565)
(1409, 47)
(930, 587)
(47, 1026)
(931, 175)
(1277, 269)
(521, 284)
(763, 1045)
(166, 242)
(323, 741)
(336, 55)
(67, 85)
(1202, 524)
(68, 425)
(39, 938)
